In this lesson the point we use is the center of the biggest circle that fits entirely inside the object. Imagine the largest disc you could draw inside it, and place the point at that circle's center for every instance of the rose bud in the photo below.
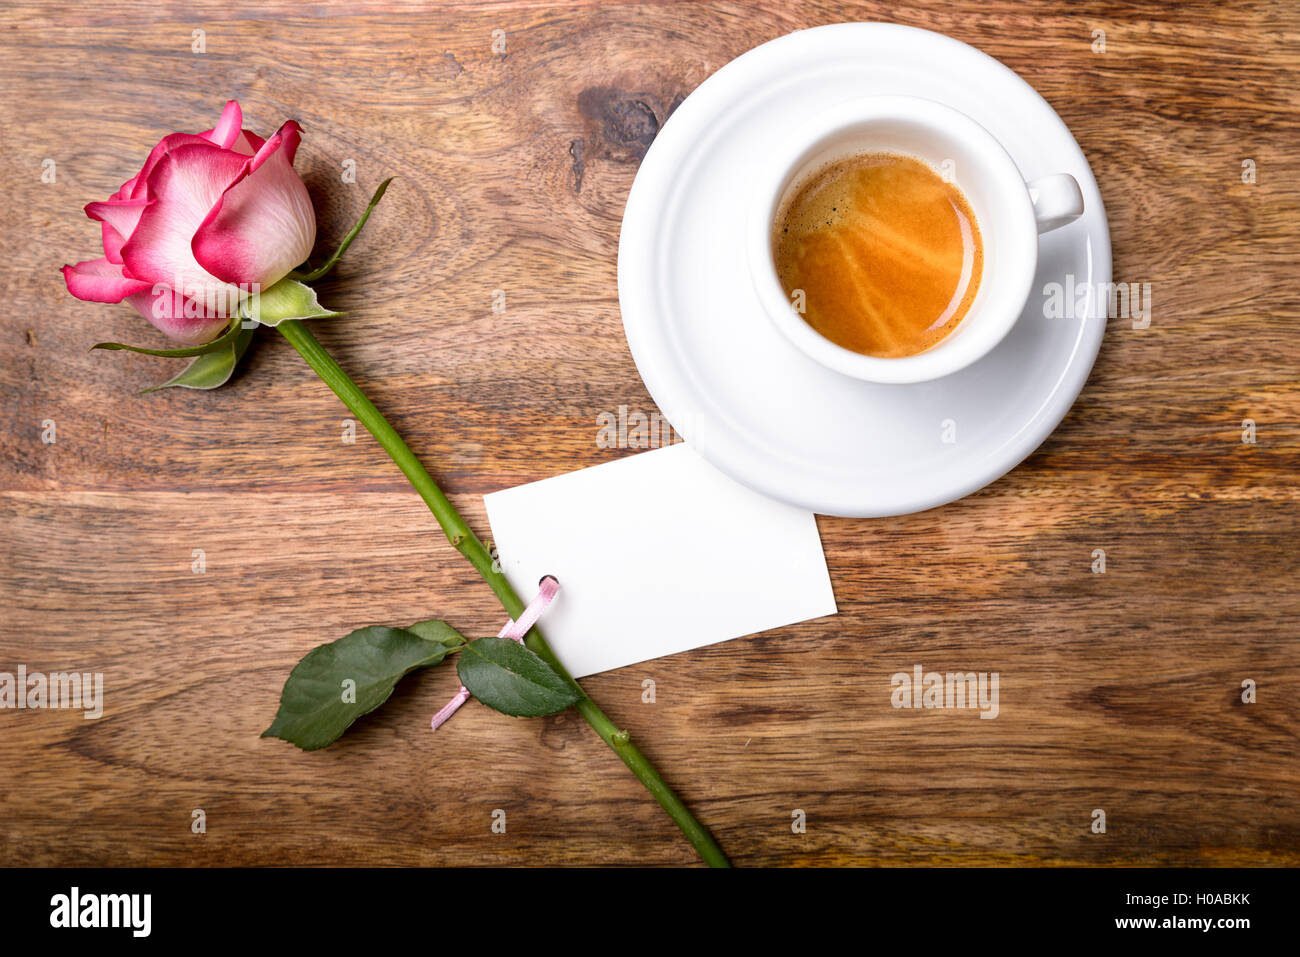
(208, 221)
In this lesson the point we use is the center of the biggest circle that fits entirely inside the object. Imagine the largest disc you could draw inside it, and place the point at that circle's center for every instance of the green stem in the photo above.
(467, 543)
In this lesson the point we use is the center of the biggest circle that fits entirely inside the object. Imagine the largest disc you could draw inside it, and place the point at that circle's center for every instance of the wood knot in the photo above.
(621, 124)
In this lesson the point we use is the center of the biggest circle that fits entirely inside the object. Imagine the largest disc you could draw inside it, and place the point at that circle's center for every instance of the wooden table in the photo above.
(1120, 691)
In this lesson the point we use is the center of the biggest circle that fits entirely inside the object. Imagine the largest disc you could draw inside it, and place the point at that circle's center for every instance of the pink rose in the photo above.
(208, 221)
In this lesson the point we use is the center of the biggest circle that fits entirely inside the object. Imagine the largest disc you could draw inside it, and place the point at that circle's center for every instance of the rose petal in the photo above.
(125, 191)
(248, 143)
(286, 137)
(121, 214)
(113, 243)
(162, 307)
(98, 280)
(264, 225)
(184, 186)
(119, 218)
(140, 182)
(228, 127)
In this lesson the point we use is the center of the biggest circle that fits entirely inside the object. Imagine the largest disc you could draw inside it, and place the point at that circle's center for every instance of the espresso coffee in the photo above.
(882, 254)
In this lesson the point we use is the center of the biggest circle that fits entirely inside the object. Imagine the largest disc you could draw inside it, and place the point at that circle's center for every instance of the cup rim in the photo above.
(1016, 274)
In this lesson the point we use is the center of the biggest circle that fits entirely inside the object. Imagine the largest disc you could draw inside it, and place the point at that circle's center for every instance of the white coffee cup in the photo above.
(1010, 214)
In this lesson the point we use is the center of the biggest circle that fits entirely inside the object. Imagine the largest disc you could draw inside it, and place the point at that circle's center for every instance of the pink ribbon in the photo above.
(548, 588)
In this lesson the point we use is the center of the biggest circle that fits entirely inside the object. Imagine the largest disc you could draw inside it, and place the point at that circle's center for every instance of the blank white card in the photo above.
(657, 553)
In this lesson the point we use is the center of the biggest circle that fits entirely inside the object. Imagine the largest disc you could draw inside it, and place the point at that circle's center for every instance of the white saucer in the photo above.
(734, 387)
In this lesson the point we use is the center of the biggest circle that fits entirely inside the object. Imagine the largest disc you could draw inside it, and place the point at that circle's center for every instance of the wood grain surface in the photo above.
(1120, 691)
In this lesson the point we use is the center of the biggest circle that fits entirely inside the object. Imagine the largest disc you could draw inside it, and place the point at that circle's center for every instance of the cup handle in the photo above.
(1057, 200)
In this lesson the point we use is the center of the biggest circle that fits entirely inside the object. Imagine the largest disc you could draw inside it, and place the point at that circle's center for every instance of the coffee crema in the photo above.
(888, 255)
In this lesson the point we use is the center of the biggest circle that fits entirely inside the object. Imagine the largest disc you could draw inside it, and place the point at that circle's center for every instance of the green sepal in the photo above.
(213, 369)
(287, 299)
(230, 334)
